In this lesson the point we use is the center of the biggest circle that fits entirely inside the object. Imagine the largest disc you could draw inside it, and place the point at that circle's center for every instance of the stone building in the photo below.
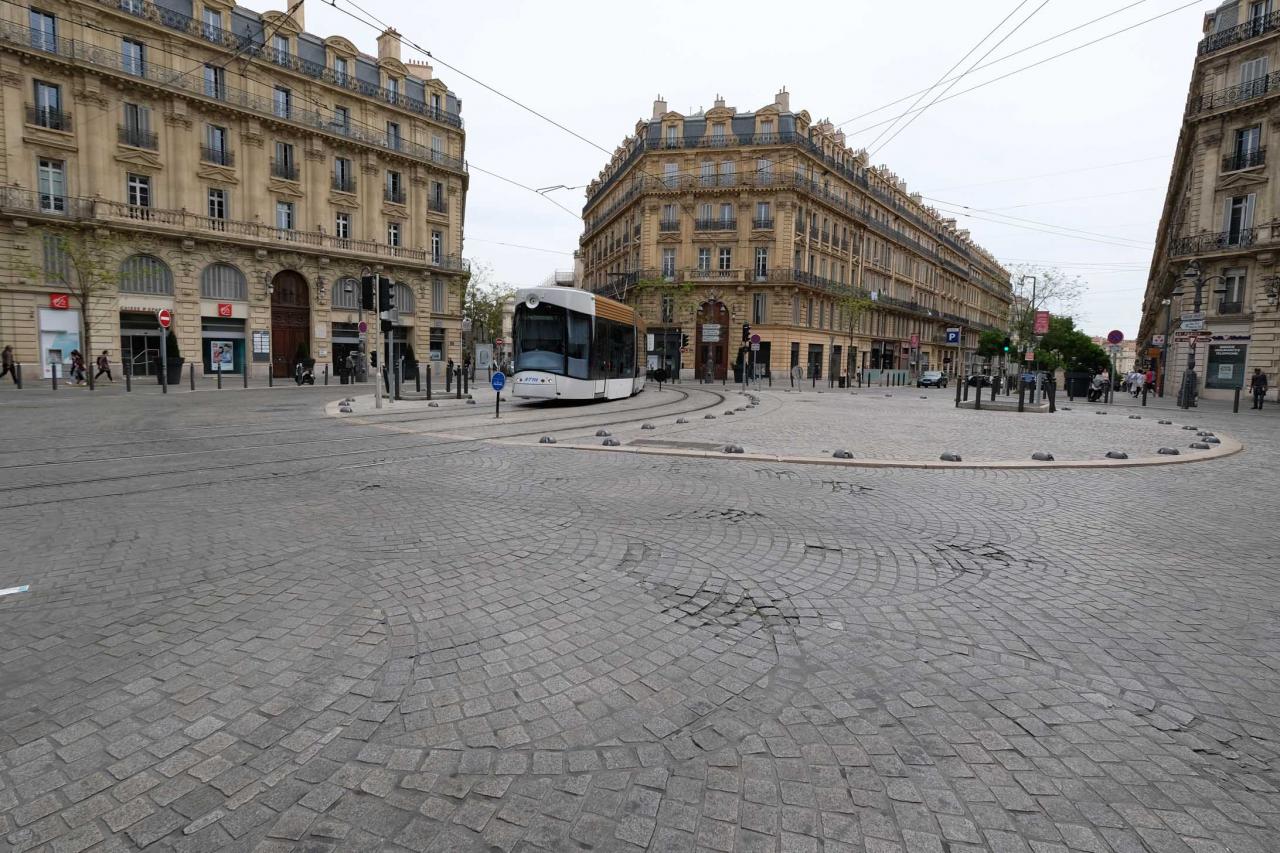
(722, 218)
(1221, 212)
(228, 166)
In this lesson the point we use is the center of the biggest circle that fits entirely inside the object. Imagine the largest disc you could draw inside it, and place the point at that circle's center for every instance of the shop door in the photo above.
(290, 319)
(139, 352)
(815, 362)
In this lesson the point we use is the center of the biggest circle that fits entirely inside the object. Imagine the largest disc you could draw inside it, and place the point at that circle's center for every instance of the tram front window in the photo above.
(540, 338)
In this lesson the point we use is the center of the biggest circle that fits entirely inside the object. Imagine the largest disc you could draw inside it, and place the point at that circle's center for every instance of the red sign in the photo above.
(60, 301)
(165, 317)
(498, 342)
(1029, 356)
(915, 341)
(224, 309)
(1042, 323)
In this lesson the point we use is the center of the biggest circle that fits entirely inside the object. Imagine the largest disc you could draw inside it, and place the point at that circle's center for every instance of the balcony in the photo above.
(218, 156)
(1242, 32)
(1219, 241)
(284, 169)
(715, 225)
(343, 183)
(1232, 95)
(826, 236)
(716, 275)
(669, 226)
(762, 223)
(1225, 307)
(437, 205)
(48, 117)
(1244, 160)
(138, 138)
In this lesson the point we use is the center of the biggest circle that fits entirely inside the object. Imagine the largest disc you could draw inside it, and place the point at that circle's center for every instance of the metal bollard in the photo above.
(417, 378)
(193, 376)
(457, 378)
(53, 368)
(977, 399)
(270, 376)
(428, 381)
(17, 374)
(965, 386)
(1022, 394)
(959, 385)
(1053, 397)
(399, 367)
(244, 375)
(89, 373)
(326, 375)
(466, 382)
(219, 377)
(993, 392)
(128, 377)
(1235, 406)
(1144, 394)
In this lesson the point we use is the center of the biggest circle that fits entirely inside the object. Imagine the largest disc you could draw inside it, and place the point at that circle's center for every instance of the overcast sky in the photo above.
(1107, 115)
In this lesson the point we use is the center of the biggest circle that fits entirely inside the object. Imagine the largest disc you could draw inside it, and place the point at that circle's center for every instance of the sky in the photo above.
(1078, 148)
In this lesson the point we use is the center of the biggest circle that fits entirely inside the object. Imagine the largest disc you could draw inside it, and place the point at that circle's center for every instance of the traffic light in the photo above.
(386, 295)
(746, 331)
(367, 285)
(684, 340)
(1008, 345)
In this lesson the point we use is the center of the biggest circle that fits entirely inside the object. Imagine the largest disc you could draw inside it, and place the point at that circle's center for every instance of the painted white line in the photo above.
(14, 589)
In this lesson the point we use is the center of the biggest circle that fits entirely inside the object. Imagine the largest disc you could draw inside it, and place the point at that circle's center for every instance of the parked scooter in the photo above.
(304, 374)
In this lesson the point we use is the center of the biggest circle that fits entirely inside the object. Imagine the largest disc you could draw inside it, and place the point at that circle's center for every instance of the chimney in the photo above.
(421, 69)
(840, 138)
(659, 107)
(719, 102)
(783, 100)
(389, 44)
(299, 14)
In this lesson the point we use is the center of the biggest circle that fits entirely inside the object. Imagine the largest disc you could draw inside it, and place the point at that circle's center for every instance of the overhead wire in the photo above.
(1031, 221)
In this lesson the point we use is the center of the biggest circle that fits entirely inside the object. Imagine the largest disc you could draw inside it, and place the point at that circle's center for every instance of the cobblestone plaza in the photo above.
(252, 625)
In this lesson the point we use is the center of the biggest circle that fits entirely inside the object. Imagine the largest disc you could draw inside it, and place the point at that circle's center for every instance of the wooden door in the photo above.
(712, 355)
(290, 322)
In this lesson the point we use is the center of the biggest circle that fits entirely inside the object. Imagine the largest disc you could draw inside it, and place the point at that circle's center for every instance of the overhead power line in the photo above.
(1051, 230)
(1030, 221)
(1052, 174)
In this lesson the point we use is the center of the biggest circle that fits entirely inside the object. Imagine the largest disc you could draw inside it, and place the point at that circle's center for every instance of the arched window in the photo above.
(404, 299)
(223, 281)
(347, 294)
(146, 274)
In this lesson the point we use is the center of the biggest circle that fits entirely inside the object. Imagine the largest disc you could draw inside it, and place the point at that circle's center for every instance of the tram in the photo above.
(573, 345)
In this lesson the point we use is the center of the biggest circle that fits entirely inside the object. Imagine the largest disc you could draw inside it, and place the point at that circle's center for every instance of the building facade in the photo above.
(227, 166)
(1222, 213)
(722, 218)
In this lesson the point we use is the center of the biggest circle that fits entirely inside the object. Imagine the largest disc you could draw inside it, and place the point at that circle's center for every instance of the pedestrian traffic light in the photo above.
(367, 285)
(746, 331)
(386, 294)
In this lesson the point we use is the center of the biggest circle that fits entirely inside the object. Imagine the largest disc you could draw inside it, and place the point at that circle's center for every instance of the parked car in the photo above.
(932, 379)
(979, 380)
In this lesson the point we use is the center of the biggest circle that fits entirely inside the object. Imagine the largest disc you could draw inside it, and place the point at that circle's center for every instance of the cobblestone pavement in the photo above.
(254, 627)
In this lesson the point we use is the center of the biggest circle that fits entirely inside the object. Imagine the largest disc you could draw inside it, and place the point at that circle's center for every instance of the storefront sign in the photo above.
(1157, 340)
(60, 301)
(1226, 366)
(224, 309)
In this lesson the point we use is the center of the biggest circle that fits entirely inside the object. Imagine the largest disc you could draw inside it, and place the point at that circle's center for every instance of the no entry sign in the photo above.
(164, 317)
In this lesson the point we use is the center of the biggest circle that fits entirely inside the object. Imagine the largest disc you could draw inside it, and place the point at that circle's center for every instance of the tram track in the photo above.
(458, 444)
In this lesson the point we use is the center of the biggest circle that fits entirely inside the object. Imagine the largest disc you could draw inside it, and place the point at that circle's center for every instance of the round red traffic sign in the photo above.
(1115, 336)
(497, 342)
(165, 317)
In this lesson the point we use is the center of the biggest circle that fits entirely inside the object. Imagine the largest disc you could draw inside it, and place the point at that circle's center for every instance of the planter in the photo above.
(173, 371)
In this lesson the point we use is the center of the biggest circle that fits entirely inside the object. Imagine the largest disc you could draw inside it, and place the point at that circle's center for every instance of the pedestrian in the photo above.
(77, 367)
(7, 366)
(1136, 380)
(1258, 385)
(104, 366)
(448, 376)
(351, 367)
(1150, 380)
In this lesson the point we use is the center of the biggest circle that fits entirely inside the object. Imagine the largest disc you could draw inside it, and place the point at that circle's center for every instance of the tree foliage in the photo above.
(990, 344)
(1055, 291)
(86, 263)
(482, 303)
(1068, 348)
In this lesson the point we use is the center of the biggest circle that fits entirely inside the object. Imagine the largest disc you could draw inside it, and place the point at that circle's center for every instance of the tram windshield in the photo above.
(540, 338)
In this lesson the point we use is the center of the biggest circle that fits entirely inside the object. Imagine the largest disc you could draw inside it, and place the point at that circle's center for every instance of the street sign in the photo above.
(953, 336)
(1204, 336)
(1192, 315)
(915, 341)
(1192, 325)
(1157, 340)
(1115, 350)
(363, 327)
(711, 333)
(60, 301)
(1030, 355)
(499, 381)
(1181, 337)
(755, 346)
(164, 317)
(1115, 336)
(1042, 323)
(497, 342)
(755, 340)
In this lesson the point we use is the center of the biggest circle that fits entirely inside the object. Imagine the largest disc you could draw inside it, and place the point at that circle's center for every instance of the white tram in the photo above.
(573, 345)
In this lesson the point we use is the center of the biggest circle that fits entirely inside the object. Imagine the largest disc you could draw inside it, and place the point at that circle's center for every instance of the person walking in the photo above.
(448, 376)
(104, 366)
(1258, 385)
(1150, 379)
(77, 367)
(7, 365)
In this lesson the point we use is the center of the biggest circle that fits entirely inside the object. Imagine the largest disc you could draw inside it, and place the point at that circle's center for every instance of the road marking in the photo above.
(14, 589)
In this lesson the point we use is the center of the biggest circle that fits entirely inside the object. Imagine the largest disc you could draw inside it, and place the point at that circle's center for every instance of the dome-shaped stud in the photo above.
(1117, 454)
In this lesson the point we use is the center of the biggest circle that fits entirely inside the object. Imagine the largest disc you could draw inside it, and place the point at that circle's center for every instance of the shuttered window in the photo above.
(347, 294)
(57, 264)
(146, 274)
(223, 281)
(438, 304)
(404, 299)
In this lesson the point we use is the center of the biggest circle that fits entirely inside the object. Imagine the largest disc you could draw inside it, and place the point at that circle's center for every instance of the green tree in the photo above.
(1068, 348)
(1054, 291)
(853, 303)
(86, 263)
(990, 344)
(482, 303)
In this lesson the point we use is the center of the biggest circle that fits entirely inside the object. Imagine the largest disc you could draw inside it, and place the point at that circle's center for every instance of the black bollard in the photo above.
(219, 377)
(466, 383)
(1144, 393)
(193, 376)
(399, 368)
(457, 378)
(959, 385)
(53, 368)
(428, 381)
(17, 375)
(1022, 394)
(128, 377)
(1235, 407)
(270, 376)
(326, 375)
(244, 375)
(1053, 397)
(965, 386)
(977, 399)
(417, 379)
(993, 392)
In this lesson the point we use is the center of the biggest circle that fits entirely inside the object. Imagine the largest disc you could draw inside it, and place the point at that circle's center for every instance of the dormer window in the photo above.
(212, 25)
(717, 132)
(280, 47)
(341, 68)
(393, 89)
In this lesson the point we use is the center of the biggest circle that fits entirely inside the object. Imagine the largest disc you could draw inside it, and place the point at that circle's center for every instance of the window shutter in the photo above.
(1247, 221)
(1226, 214)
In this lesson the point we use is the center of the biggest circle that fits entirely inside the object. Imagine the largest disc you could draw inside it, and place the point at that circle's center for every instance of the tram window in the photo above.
(579, 349)
(601, 350)
(540, 337)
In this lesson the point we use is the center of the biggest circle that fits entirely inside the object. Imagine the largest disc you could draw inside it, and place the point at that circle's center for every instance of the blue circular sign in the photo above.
(499, 381)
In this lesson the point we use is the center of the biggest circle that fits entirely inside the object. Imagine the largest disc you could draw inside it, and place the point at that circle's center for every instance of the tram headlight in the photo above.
(531, 300)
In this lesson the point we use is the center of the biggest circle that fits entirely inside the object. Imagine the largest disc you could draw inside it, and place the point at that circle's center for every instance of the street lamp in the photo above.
(1190, 384)
(1167, 302)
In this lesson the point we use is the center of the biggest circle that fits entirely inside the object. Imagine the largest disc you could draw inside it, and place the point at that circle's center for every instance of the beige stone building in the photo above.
(232, 168)
(1222, 210)
(722, 218)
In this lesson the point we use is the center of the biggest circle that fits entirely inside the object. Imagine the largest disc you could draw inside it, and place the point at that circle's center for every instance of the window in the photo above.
(669, 214)
(764, 215)
(766, 130)
(437, 246)
(283, 165)
(726, 214)
(762, 263)
(215, 82)
(726, 259)
(132, 57)
(342, 119)
(48, 107)
(146, 274)
(435, 103)
(215, 150)
(393, 89)
(223, 281)
(717, 133)
(393, 136)
(217, 204)
(1246, 151)
(669, 264)
(395, 187)
(707, 175)
(284, 215)
(342, 226)
(51, 179)
(1238, 220)
(669, 174)
(728, 173)
(764, 170)
(795, 312)
(704, 212)
(393, 233)
(212, 24)
(758, 306)
(343, 177)
(282, 102)
(1253, 77)
(438, 301)
(340, 70)
(137, 127)
(704, 259)
(668, 309)
(1234, 281)
(57, 263)
(44, 31)
(672, 139)
(139, 191)
(437, 143)
(808, 320)
(280, 49)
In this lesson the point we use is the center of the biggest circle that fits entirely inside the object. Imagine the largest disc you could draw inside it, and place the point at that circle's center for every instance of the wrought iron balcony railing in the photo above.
(762, 223)
(667, 226)
(1225, 307)
(1237, 94)
(48, 117)
(395, 195)
(344, 183)
(1251, 28)
(1244, 160)
(286, 169)
(715, 224)
(1212, 242)
(220, 156)
(437, 205)
(139, 137)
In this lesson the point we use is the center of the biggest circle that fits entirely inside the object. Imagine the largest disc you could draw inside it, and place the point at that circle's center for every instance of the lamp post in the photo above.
(1164, 355)
(1190, 383)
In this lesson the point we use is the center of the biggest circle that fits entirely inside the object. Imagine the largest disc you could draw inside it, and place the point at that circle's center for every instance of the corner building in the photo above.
(241, 172)
(1221, 212)
(709, 221)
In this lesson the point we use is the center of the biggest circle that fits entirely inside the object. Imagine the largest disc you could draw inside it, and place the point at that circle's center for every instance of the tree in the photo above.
(1055, 291)
(853, 305)
(990, 344)
(1067, 347)
(83, 261)
(482, 303)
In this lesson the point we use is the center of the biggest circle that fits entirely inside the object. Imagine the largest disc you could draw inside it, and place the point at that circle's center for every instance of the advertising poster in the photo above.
(222, 356)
